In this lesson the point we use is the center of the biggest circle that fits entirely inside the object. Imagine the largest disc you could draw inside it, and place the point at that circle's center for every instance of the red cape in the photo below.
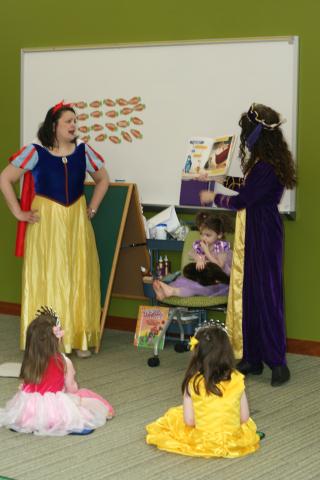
(27, 195)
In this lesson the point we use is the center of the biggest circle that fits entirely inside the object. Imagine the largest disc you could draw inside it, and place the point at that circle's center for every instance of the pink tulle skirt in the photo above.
(55, 413)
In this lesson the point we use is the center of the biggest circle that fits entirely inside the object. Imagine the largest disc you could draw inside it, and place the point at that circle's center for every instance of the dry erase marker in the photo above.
(119, 180)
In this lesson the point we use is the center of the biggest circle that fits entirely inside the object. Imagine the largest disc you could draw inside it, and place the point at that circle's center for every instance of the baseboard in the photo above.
(301, 347)
(121, 323)
(8, 308)
(116, 323)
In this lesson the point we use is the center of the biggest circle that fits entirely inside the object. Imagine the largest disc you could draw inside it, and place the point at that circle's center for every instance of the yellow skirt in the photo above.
(171, 434)
(234, 311)
(61, 270)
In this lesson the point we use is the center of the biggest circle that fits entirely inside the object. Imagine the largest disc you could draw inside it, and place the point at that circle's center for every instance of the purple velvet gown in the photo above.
(263, 325)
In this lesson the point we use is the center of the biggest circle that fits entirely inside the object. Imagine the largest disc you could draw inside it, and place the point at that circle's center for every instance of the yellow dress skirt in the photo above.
(217, 432)
(234, 310)
(61, 270)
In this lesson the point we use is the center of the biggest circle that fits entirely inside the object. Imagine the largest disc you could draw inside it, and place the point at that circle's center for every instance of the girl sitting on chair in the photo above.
(208, 274)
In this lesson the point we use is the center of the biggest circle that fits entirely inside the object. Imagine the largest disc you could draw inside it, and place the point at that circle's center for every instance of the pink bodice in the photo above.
(52, 380)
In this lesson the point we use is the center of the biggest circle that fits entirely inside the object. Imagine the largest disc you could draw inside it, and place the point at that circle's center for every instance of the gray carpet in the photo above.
(289, 415)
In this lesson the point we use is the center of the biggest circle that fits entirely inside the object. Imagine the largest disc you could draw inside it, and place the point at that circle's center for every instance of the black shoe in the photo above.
(280, 375)
(245, 367)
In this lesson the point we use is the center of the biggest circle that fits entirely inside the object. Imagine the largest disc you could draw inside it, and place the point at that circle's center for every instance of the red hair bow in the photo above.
(60, 105)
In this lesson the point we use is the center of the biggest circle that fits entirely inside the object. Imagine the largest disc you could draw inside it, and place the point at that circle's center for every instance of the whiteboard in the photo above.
(181, 91)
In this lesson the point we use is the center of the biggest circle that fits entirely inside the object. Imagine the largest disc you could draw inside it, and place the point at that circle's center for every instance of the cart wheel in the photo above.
(153, 362)
(181, 347)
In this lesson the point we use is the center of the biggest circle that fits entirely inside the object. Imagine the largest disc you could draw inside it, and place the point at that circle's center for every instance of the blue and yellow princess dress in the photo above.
(218, 431)
(61, 265)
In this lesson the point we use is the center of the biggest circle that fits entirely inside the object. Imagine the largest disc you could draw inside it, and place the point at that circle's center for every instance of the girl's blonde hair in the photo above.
(41, 344)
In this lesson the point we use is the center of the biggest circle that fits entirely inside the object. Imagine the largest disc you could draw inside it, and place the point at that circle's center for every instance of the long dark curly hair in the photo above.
(212, 360)
(270, 147)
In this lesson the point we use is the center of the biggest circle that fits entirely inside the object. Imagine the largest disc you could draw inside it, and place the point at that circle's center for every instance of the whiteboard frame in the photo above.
(293, 39)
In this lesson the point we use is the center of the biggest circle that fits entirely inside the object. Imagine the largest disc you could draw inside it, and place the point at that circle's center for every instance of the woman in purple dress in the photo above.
(256, 306)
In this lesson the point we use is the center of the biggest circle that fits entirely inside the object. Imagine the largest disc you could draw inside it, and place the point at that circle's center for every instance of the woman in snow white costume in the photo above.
(61, 265)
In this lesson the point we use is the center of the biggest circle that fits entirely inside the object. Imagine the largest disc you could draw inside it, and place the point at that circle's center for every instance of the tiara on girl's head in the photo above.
(60, 105)
(57, 330)
(44, 310)
(253, 116)
(211, 323)
(206, 324)
(260, 124)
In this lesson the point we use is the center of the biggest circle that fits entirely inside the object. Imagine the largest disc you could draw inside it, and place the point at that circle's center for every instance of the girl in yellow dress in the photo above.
(214, 419)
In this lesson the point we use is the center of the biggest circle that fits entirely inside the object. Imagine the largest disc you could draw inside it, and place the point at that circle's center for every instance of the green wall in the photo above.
(35, 23)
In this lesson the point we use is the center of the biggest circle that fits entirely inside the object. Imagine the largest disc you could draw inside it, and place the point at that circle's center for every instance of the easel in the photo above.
(121, 244)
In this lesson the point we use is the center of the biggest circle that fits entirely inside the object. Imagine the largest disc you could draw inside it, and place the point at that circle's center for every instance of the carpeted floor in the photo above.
(289, 415)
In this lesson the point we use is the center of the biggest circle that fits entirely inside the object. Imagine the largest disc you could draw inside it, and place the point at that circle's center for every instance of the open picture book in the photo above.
(208, 157)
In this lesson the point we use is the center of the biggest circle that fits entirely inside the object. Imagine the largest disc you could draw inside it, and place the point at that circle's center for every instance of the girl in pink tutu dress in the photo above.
(49, 401)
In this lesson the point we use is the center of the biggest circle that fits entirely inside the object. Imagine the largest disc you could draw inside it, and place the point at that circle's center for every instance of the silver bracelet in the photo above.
(92, 212)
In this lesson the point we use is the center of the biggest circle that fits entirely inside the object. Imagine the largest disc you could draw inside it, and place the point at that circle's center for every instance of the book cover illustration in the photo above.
(150, 324)
(208, 157)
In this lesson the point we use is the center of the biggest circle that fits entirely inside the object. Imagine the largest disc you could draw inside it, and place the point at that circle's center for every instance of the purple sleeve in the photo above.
(228, 264)
(257, 184)
(197, 247)
(196, 251)
(233, 183)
